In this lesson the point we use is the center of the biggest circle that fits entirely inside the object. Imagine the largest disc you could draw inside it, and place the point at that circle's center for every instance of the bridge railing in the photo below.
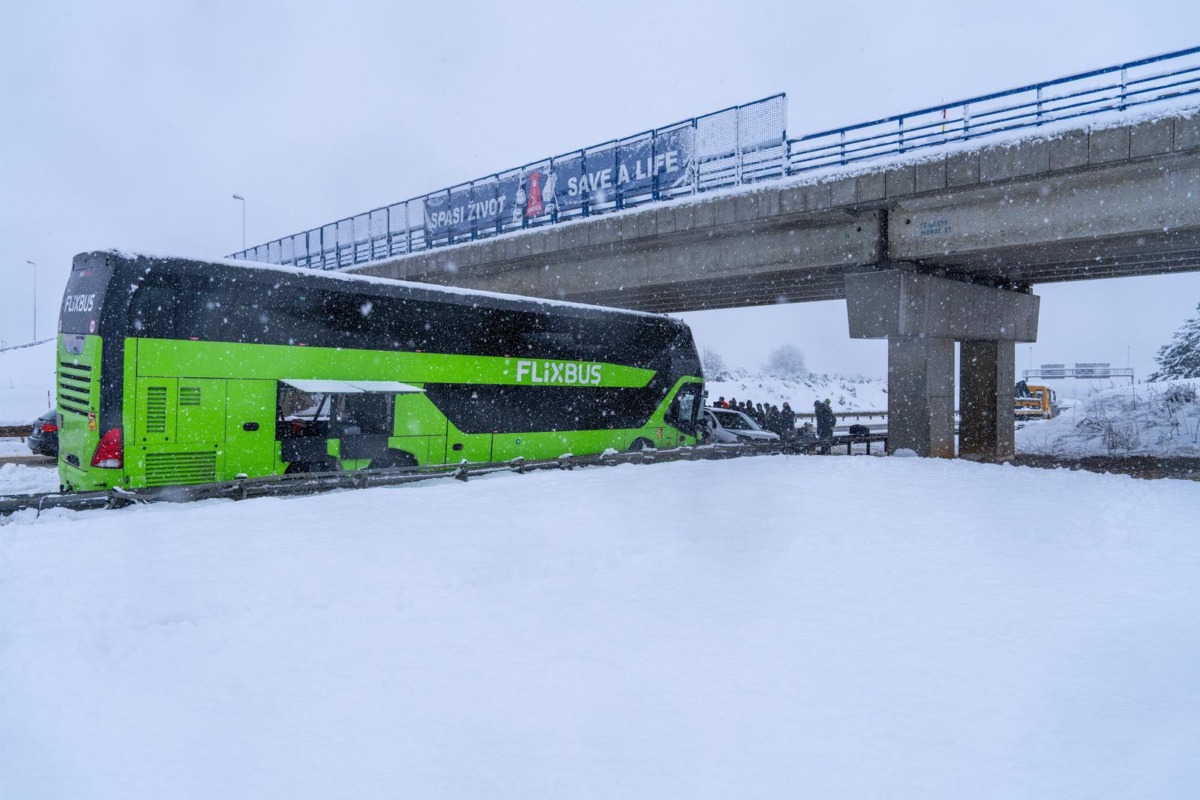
(732, 147)
(1117, 88)
(1079, 371)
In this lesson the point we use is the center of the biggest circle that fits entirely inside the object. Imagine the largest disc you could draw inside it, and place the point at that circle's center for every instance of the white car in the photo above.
(727, 425)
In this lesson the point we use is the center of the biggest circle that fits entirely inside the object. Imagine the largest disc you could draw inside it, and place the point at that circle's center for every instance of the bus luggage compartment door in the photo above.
(250, 428)
(177, 432)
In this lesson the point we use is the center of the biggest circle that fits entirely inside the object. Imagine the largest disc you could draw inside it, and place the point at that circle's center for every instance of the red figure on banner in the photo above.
(533, 206)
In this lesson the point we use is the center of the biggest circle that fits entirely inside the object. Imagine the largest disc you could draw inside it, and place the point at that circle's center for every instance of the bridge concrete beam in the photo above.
(901, 303)
(922, 317)
(1060, 226)
(694, 266)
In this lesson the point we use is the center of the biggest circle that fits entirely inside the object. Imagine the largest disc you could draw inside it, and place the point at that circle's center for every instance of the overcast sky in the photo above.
(132, 124)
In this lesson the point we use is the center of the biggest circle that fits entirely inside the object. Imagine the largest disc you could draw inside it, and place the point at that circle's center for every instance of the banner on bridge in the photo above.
(638, 168)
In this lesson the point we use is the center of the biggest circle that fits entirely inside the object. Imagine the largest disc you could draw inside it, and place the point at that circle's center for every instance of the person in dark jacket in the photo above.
(825, 422)
(787, 422)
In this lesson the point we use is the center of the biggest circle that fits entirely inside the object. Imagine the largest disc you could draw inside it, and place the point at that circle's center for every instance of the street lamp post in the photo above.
(239, 197)
(32, 264)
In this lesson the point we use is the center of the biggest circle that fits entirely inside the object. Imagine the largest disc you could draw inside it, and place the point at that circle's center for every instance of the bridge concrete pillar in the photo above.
(921, 395)
(987, 372)
(922, 316)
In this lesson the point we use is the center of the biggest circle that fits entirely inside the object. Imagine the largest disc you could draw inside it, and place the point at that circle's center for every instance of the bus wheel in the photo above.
(394, 459)
(641, 443)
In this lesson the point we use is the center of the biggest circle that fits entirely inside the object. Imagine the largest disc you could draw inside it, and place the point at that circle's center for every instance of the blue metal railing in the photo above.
(1117, 88)
(736, 146)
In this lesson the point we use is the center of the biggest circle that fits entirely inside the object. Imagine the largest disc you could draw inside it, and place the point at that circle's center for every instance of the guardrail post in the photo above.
(695, 156)
(783, 148)
(585, 195)
(1039, 105)
(654, 187)
(553, 195)
(842, 148)
(900, 127)
(966, 120)
(1124, 86)
(470, 200)
(737, 145)
(407, 229)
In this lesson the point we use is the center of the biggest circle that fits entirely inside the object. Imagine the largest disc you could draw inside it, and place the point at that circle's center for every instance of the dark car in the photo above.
(44, 438)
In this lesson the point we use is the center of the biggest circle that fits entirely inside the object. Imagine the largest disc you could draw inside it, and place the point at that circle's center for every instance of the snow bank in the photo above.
(1159, 419)
(17, 479)
(26, 382)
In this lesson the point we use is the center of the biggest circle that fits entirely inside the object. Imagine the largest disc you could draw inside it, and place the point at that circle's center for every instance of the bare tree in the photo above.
(786, 361)
(713, 364)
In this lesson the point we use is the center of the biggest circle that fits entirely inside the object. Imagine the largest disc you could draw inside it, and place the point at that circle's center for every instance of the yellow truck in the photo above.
(1037, 402)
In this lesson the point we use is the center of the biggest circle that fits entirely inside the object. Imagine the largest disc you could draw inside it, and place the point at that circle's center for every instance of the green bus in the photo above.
(177, 371)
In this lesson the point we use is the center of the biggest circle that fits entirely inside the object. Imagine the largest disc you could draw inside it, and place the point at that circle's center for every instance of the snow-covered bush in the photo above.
(1181, 358)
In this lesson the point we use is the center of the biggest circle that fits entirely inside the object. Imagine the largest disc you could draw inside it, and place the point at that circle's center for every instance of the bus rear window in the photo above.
(84, 296)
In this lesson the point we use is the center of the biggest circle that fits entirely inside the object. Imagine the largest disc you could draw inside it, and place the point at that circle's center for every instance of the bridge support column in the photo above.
(922, 316)
(921, 396)
(986, 374)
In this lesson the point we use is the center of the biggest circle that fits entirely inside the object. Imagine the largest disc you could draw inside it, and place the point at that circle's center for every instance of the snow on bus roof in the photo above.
(357, 278)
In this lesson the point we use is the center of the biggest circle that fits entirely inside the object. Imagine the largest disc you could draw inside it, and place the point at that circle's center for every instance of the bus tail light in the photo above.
(109, 452)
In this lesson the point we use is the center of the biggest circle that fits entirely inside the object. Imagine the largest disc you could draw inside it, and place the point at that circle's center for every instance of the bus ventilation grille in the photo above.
(189, 395)
(156, 409)
(166, 469)
(74, 388)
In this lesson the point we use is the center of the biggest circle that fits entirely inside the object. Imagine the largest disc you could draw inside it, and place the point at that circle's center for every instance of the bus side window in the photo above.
(152, 313)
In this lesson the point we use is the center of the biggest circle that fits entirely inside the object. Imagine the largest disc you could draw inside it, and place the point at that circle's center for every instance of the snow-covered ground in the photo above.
(768, 627)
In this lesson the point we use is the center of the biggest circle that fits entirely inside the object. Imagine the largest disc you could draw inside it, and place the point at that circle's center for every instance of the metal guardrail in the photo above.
(313, 483)
(1079, 371)
(733, 147)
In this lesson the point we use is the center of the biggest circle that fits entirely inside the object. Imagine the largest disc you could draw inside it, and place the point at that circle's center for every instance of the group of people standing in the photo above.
(770, 417)
(782, 420)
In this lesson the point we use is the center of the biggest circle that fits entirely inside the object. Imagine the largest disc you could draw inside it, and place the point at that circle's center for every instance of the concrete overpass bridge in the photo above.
(941, 250)
(933, 225)
(1115, 202)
